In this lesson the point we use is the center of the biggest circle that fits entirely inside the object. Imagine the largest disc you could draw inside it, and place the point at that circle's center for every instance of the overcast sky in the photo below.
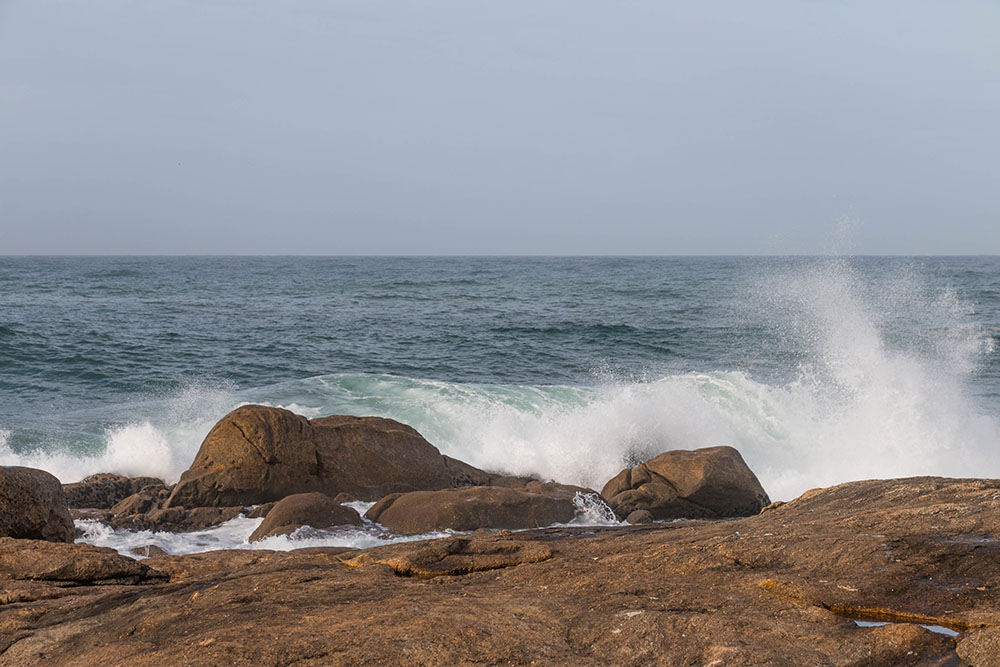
(504, 127)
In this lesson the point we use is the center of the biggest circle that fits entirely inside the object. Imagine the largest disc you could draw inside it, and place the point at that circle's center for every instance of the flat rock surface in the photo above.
(780, 588)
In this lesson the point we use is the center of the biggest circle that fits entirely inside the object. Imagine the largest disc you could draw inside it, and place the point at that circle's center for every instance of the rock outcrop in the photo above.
(779, 588)
(104, 490)
(257, 454)
(710, 483)
(304, 509)
(475, 507)
(174, 519)
(69, 564)
(33, 506)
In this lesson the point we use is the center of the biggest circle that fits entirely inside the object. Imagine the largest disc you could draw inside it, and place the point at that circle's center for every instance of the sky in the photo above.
(499, 127)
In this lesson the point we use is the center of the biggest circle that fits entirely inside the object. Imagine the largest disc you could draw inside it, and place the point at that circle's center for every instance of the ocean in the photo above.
(819, 370)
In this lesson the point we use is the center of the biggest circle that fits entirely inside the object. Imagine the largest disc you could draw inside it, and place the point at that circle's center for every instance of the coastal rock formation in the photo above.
(473, 508)
(69, 564)
(779, 588)
(174, 519)
(257, 454)
(304, 509)
(148, 498)
(709, 483)
(104, 490)
(33, 506)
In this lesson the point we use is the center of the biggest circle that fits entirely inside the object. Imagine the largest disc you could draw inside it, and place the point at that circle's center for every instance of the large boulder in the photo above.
(33, 506)
(473, 508)
(304, 509)
(709, 483)
(257, 454)
(104, 490)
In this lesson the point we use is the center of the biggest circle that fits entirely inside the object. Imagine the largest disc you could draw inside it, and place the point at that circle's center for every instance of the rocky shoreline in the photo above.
(741, 582)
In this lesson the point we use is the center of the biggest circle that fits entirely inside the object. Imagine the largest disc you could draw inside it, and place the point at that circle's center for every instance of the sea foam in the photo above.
(878, 387)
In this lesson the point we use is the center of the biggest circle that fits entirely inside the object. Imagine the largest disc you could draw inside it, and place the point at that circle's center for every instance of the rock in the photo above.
(33, 506)
(710, 483)
(259, 511)
(779, 588)
(145, 500)
(148, 551)
(458, 556)
(257, 454)
(69, 564)
(980, 647)
(639, 516)
(304, 509)
(470, 509)
(176, 519)
(103, 490)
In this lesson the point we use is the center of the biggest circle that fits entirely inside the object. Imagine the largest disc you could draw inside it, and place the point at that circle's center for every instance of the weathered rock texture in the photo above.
(104, 490)
(779, 588)
(257, 454)
(33, 506)
(69, 564)
(532, 506)
(304, 509)
(710, 483)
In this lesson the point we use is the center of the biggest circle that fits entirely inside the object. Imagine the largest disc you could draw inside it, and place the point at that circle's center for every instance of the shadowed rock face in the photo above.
(779, 588)
(709, 483)
(103, 490)
(304, 509)
(33, 506)
(258, 454)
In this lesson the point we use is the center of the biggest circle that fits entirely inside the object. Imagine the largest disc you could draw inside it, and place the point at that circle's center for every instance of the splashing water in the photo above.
(872, 380)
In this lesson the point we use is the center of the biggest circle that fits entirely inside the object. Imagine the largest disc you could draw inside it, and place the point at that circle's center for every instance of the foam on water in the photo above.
(235, 534)
(879, 388)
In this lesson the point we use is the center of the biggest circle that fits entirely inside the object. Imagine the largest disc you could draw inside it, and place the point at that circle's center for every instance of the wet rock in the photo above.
(259, 511)
(304, 509)
(176, 519)
(257, 454)
(639, 516)
(472, 508)
(103, 490)
(33, 506)
(711, 483)
(148, 551)
(69, 564)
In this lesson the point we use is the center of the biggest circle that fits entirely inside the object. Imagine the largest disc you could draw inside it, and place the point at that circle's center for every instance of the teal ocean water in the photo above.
(820, 370)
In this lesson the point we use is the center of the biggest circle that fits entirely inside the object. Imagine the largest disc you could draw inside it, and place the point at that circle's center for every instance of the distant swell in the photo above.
(861, 402)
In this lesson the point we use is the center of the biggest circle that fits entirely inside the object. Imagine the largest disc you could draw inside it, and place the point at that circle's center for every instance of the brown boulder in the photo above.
(709, 483)
(69, 564)
(104, 490)
(148, 498)
(304, 509)
(33, 506)
(176, 519)
(639, 516)
(257, 454)
(470, 509)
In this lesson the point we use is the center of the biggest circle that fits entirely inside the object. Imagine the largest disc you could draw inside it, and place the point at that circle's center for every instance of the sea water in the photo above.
(820, 370)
